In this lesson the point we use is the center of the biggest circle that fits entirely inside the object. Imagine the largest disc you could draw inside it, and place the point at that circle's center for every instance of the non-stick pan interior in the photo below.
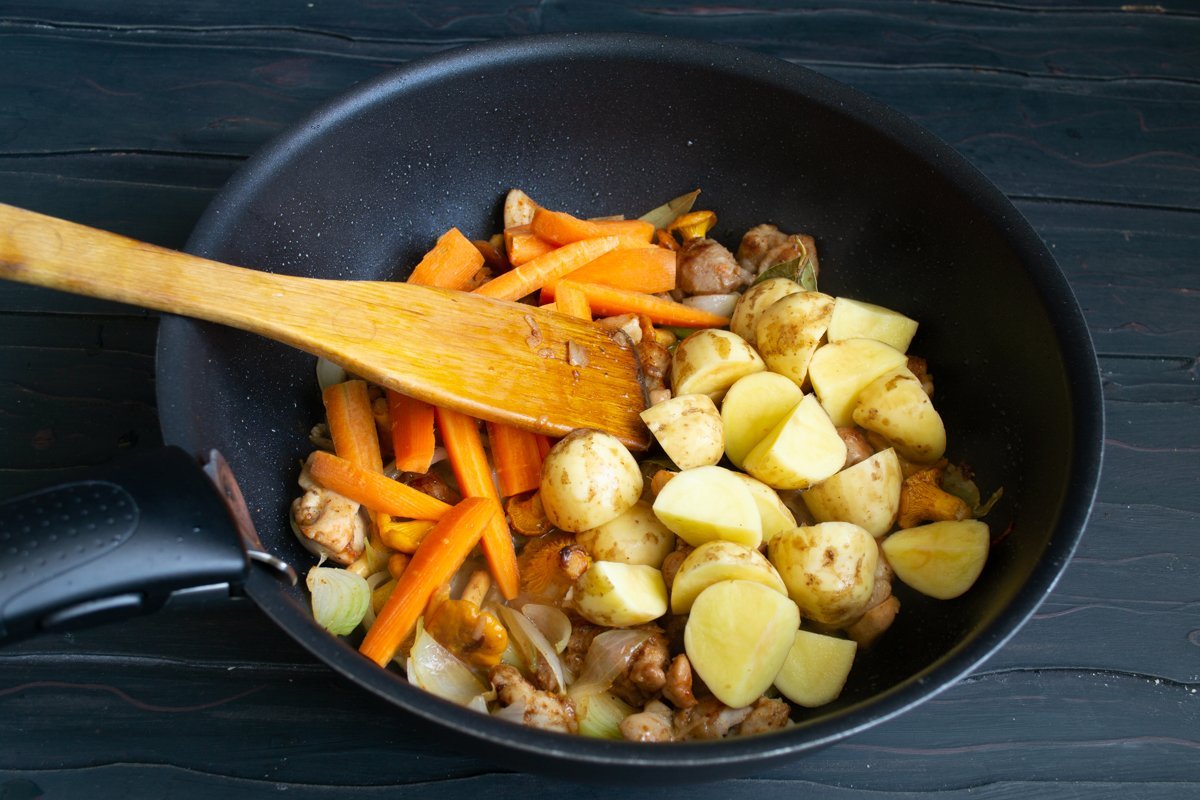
(617, 124)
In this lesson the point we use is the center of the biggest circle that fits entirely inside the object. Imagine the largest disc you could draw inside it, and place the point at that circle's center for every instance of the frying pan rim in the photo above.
(727, 757)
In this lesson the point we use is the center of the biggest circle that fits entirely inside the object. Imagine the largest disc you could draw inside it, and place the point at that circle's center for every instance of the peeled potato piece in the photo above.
(752, 407)
(898, 409)
(708, 503)
(828, 568)
(710, 361)
(941, 559)
(737, 637)
(716, 561)
(754, 301)
(635, 537)
(802, 449)
(867, 494)
(815, 669)
(854, 319)
(839, 370)
(772, 511)
(620, 595)
(789, 332)
(689, 428)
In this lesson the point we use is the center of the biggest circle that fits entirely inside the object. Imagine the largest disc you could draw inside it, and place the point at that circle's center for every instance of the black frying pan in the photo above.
(598, 125)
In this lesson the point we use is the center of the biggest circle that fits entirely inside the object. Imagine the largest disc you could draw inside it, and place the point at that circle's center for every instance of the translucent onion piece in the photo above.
(514, 713)
(719, 304)
(329, 373)
(340, 599)
(532, 645)
(600, 715)
(438, 671)
(373, 583)
(552, 622)
(607, 658)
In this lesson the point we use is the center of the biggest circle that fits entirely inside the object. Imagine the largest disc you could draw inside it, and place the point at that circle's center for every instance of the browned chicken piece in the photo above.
(674, 561)
(656, 364)
(858, 448)
(706, 267)
(873, 623)
(920, 368)
(708, 719)
(431, 484)
(651, 724)
(582, 634)
(541, 709)
(678, 688)
(764, 246)
(329, 523)
(648, 669)
(767, 714)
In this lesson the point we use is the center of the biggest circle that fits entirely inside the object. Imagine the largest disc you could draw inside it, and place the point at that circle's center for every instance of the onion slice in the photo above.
(720, 304)
(607, 658)
(532, 645)
(329, 373)
(552, 622)
(340, 598)
(435, 669)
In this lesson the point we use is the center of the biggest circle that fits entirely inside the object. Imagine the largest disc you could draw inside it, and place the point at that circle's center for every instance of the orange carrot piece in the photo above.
(570, 299)
(532, 275)
(352, 425)
(451, 262)
(464, 448)
(644, 269)
(374, 490)
(562, 228)
(544, 444)
(516, 457)
(608, 301)
(438, 557)
(413, 441)
(522, 245)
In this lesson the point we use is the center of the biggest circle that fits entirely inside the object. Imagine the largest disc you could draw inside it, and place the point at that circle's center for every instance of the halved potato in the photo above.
(802, 449)
(854, 319)
(898, 409)
(867, 494)
(815, 669)
(752, 407)
(941, 559)
(754, 301)
(839, 371)
(689, 428)
(620, 595)
(717, 561)
(772, 511)
(710, 361)
(828, 568)
(708, 503)
(790, 330)
(737, 637)
(635, 537)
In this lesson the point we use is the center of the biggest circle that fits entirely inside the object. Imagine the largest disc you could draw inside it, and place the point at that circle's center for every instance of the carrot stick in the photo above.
(374, 490)
(544, 444)
(644, 269)
(517, 459)
(451, 262)
(570, 299)
(464, 447)
(532, 275)
(609, 301)
(522, 245)
(562, 228)
(413, 441)
(352, 425)
(438, 557)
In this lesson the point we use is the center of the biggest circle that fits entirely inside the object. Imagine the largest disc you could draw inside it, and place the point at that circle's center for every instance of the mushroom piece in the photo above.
(923, 500)
(329, 525)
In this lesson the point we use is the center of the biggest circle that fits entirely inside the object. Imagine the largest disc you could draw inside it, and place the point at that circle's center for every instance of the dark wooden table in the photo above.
(129, 116)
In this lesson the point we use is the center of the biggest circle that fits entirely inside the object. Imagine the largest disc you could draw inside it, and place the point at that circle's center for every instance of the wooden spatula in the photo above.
(492, 359)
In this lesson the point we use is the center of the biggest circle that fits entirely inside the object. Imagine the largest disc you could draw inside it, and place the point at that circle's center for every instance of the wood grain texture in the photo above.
(1087, 114)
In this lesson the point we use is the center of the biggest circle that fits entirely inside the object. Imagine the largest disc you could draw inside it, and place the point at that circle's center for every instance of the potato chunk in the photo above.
(867, 494)
(754, 301)
(689, 428)
(772, 511)
(828, 568)
(941, 559)
(752, 407)
(854, 319)
(802, 449)
(815, 669)
(896, 407)
(588, 478)
(635, 537)
(839, 371)
(620, 595)
(710, 361)
(737, 637)
(708, 503)
(716, 561)
(790, 331)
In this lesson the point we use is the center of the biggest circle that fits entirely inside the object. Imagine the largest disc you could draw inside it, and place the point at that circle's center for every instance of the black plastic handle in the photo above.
(115, 544)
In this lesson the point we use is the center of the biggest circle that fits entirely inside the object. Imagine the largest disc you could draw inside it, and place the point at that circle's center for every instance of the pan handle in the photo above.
(114, 544)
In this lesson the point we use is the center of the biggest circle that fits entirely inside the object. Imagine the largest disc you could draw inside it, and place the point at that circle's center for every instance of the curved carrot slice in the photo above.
(522, 245)
(413, 441)
(352, 425)
(562, 228)
(569, 299)
(452, 262)
(610, 301)
(533, 275)
(438, 557)
(374, 490)
(464, 447)
(643, 269)
(516, 457)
